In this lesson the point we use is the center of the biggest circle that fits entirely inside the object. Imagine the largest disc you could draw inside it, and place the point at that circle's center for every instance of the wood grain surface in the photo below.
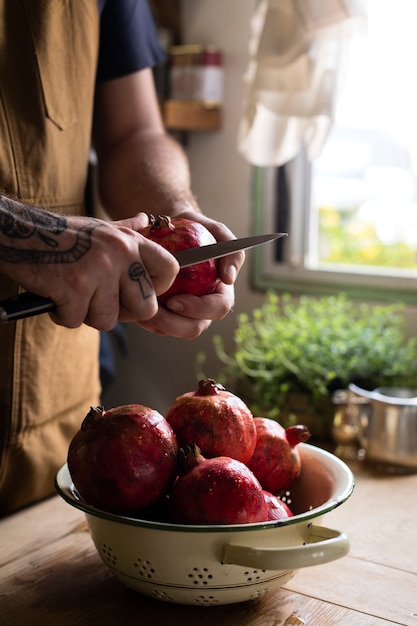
(50, 572)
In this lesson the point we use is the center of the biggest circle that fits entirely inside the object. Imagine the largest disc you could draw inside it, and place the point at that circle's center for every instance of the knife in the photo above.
(28, 304)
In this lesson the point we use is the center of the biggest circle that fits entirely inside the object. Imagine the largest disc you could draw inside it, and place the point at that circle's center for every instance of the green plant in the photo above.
(314, 346)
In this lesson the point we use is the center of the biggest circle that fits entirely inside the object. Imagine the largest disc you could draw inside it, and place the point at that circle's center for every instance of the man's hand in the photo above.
(96, 272)
(187, 316)
(194, 314)
(120, 280)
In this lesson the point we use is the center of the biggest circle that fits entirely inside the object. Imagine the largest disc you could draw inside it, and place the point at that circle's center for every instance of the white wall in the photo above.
(160, 368)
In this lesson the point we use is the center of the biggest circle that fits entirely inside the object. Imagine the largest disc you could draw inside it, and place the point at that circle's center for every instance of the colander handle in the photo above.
(322, 546)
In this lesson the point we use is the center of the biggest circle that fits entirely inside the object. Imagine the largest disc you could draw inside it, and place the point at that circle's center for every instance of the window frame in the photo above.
(291, 274)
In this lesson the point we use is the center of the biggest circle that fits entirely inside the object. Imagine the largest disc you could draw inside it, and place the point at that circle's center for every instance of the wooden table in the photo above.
(51, 574)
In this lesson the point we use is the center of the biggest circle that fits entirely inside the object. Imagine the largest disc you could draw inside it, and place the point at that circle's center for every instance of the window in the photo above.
(351, 215)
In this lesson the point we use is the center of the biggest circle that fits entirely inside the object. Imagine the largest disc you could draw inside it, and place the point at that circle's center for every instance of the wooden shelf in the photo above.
(187, 115)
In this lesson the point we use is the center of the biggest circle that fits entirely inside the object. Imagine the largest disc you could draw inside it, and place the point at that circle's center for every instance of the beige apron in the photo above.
(49, 375)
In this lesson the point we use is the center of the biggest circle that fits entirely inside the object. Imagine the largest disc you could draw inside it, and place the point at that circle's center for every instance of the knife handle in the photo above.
(24, 305)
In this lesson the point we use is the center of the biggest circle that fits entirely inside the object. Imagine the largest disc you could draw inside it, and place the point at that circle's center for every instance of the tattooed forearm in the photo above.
(44, 232)
(21, 222)
(81, 245)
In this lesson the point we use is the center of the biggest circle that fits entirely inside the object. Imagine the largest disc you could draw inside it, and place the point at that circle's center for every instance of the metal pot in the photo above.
(387, 426)
(220, 564)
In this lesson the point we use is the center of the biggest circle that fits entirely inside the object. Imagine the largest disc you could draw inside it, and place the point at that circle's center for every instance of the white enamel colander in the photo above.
(223, 564)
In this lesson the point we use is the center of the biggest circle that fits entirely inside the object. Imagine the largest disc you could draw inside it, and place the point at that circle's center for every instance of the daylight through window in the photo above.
(352, 213)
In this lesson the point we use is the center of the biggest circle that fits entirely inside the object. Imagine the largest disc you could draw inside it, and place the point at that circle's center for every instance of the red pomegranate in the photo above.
(220, 490)
(124, 459)
(214, 419)
(179, 234)
(276, 461)
(277, 509)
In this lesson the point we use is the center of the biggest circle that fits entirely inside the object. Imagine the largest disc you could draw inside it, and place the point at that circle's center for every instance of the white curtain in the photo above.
(299, 52)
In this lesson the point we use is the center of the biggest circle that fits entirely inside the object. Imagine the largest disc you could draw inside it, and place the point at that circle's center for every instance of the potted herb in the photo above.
(291, 355)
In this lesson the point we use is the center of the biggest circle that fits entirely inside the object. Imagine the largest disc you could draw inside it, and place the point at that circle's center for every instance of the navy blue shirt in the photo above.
(128, 38)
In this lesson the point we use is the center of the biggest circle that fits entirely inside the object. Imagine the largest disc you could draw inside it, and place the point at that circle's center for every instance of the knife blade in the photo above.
(28, 304)
(193, 256)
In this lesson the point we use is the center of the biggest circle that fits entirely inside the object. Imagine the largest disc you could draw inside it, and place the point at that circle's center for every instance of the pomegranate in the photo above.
(276, 461)
(216, 420)
(124, 459)
(220, 490)
(179, 234)
(277, 509)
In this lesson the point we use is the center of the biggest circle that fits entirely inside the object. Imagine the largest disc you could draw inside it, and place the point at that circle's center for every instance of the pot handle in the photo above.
(322, 546)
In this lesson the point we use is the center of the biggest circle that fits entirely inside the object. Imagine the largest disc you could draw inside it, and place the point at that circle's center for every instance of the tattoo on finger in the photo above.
(138, 273)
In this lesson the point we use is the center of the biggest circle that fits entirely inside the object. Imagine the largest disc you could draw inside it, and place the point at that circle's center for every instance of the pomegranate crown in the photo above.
(297, 434)
(160, 221)
(209, 387)
(95, 414)
(189, 457)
